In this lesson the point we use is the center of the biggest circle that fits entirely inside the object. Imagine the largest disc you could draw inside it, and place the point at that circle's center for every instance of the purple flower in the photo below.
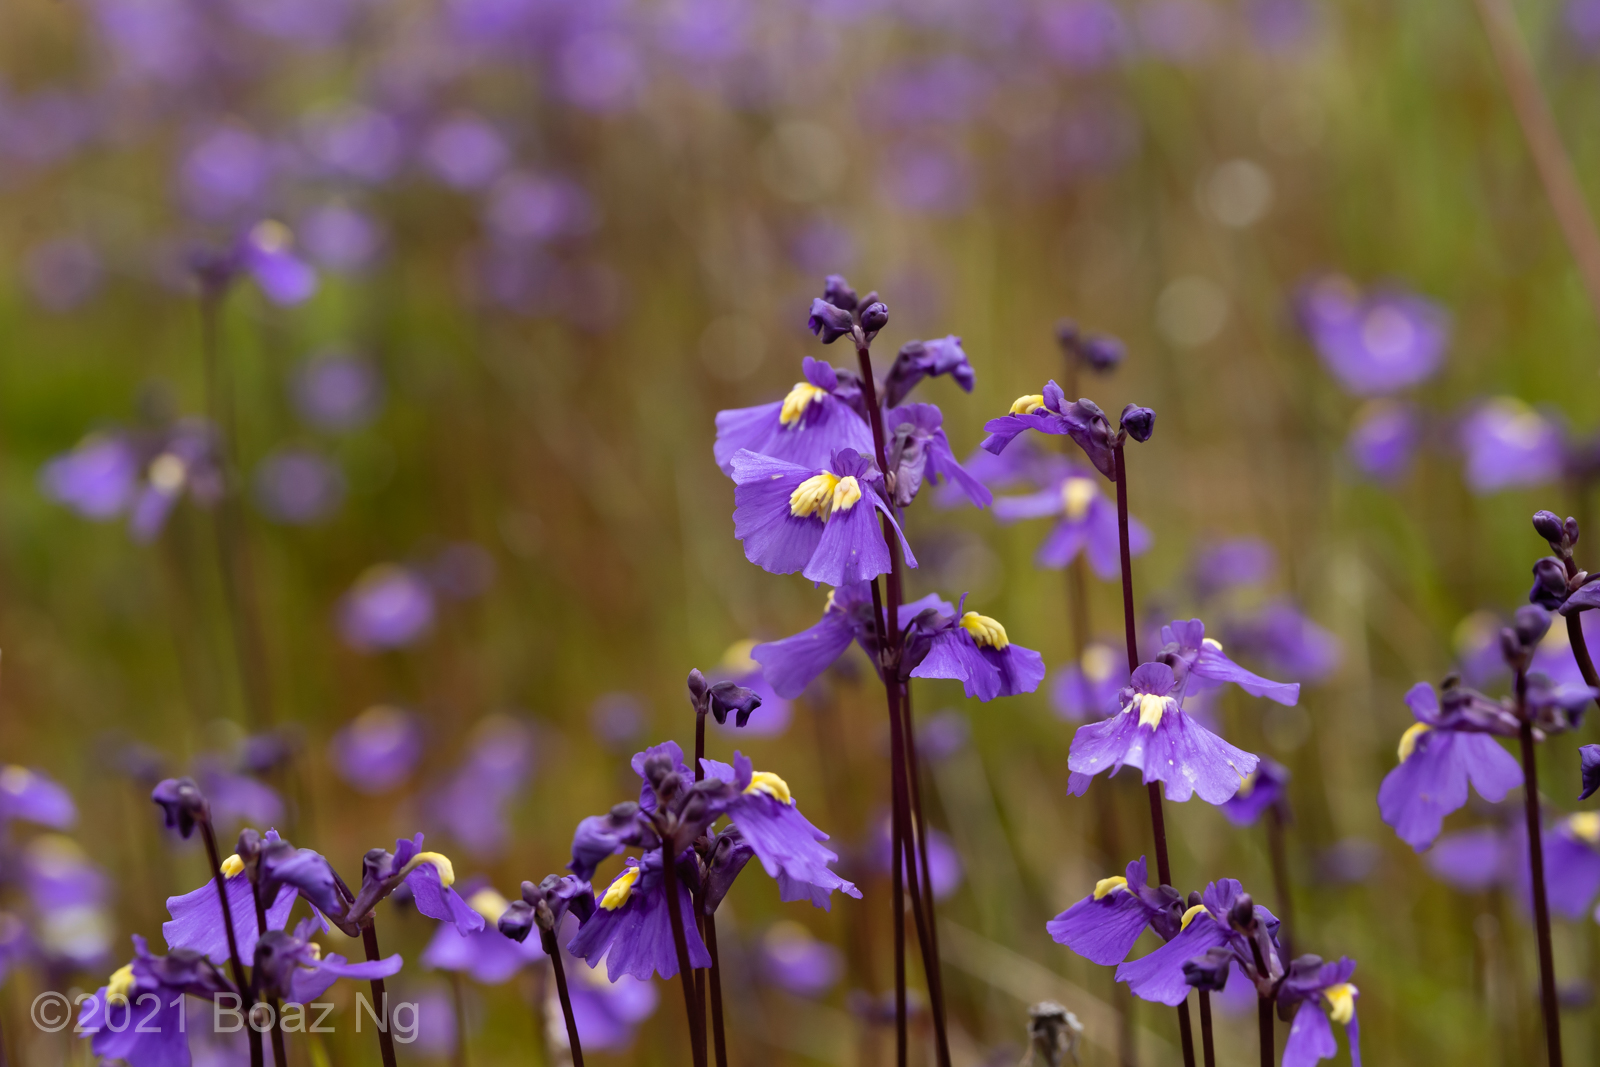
(68, 894)
(225, 173)
(788, 846)
(31, 796)
(1287, 641)
(917, 360)
(1207, 927)
(185, 459)
(471, 806)
(63, 273)
(618, 718)
(196, 923)
(337, 392)
(1582, 21)
(631, 929)
(1021, 464)
(1589, 760)
(798, 963)
(1180, 31)
(1153, 733)
(1383, 440)
(606, 1011)
(355, 142)
(1473, 860)
(266, 252)
(1227, 565)
(1049, 412)
(290, 966)
(1440, 753)
(793, 518)
(918, 449)
(137, 1015)
(1374, 343)
(771, 718)
(526, 207)
(236, 798)
(298, 486)
(599, 71)
(1572, 865)
(816, 419)
(1199, 664)
(341, 238)
(927, 178)
(97, 479)
(388, 607)
(1103, 926)
(1083, 35)
(487, 955)
(1087, 522)
(465, 152)
(1263, 788)
(1323, 992)
(1509, 445)
(1090, 688)
(378, 750)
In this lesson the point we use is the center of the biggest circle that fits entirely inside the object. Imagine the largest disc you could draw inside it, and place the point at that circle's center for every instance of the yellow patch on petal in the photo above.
(1151, 708)
(1097, 663)
(1246, 786)
(618, 891)
(233, 866)
(1190, 916)
(315, 950)
(1341, 1002)
(986, 632)
(846, 494)
(488, 903)
(1586, 824)
(814, 496)
(800, 397)
(1106, 886)
(1076, 496)
(120, 982)
(167, 472)
(270, 235)
(1408, 740)
(1212, 643)
(441, 863)
(1027, 405)
(770, 784)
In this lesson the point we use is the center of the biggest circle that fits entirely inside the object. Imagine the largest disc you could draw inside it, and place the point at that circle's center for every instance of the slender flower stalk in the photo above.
(380, 997)
(697, 1018)
(1541, 907)
(202, 819)
(547, 938)
(1158, 823)
(280, 1058)
(706, 920)
(545, 905)
(1277, 850)
(1207, 1049)
(1264, 1025)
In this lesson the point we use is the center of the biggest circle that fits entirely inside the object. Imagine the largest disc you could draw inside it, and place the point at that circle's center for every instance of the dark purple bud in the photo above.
(1547, 524)
(1139, 422)
(1571, 530)
(1102, 353)
(837, 291)
(1549, 583)
(182, 804)
(726, 857)
(1531, 623)
(698, 686)
(1209, 971)
(1242, 916)
(1067, 336)
(829, 323)
(517, 920)
(725, 697)
(875, 316)
(600, 836)
(1194, 898)
(1590, 757)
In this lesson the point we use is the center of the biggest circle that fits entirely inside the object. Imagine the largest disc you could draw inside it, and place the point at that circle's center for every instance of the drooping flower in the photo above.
(1050, 412)
(293, 967)
(1263, 788)
(822, 523)
(1572, 865)
(1374, 343)
(137, 1016)
(1153, 733)
(31, 795)
(196, 923)
(388, 607)
(1199, 663)
(1324, 996)
(1223, 929)
(798, 963)
(1086, 522)
(917, 451)
(1089, 689)
(1589, 767)
(1509, 445)
(631, 929)
(1451, 743)
(1282, 637)
(377, 750)
(1383, 439)
(770, 718)
(487, 955)
(1103, 926)
(472, 804)
(97, 479)
(817, 418)
(68, 893)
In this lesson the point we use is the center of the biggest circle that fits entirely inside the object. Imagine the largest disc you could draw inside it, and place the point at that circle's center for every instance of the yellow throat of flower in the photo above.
(441, 863)
(1151, 708)
(1076, 496)
(1027, 405)
(1408, 740)
(1586, 825)
(488, 903)
(1341, 1002)
(1097, 663)
(770, 784)
(1191, 915)
(1106, 886)
(986, 632)
(620, 889)
(800, 397)
(120, 982)
(823, 494)
(233, 866)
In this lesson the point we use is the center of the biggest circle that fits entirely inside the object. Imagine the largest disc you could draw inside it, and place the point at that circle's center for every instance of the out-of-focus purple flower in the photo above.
(1281, 25)
(16, 946)
(530, 207)
(606, 1011)
(298, 486)
(290, 966)
(1086, 522)
(943, 734)
(1477, 647)
(1225, 565)
(1348, 862)
(1383, 439)
(1374, 343)
(184, 461)
(927, 178)
(62, 273)
(1285, 640)
(97, 479)
(1022, 464)
(1263, 788)
(465, 152)
(599, 71)
(226, 173)
(377, 750)
(1179, 31)
(436, 1022)
(356, 142)
(1154, 734)
(821, 245)
(341, 238)
(156, 40)
(388, 607)
(1582, 21)
(68, 893)
(1083, 35)
(798, 963)
(706, 32)
(771, 719)
(1089, 689)
(944, 862)
(337, 392)
(1315, 986)
(236, 799)
(1589, 767)
(267, 252)
(462, 571)
(618, 719)
(487, 955)
(31, 796)
(308, 23)
(947, 90)
(1509, 445)
(498, 764)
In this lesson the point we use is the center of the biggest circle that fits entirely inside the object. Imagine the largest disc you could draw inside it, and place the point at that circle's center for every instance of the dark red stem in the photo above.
(1541, 907)
(547, 938)
(245, 989)
(697, 1021)
(380, 997)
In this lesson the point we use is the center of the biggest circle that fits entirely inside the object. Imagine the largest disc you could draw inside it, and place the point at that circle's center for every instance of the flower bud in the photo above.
(1548, 526)
(1209, 971)
(517, 920)
(1242, 916)
(1589, 755)
(1101, 352)
(1531, 623)
(837, 291)
(829, 323)
(1139, 422)
(1571, 530)
(1549, 584)
(182, 804)
(1067, 336)
(875, 316)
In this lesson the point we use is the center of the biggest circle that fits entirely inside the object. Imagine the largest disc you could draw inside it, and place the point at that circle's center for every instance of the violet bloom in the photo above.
(378, 750)
(465, 152)
(1475, 860)
(487, 955)
(148, 992)
(816, 419)
(1509, 445)
(1383, 439)
(1050, 412)
(798, 963)
(1022, 464)
(1589, 766)
(917, 360)
(1374, 343)
(1442, 751)
(337, 392)
(298, 487)
(1211, 926)
(196, 923)
(1200, 664)
(289, 966)
(526, 207)
(31, 796)
(631, 928)
(341, 238)
(1325, 996)
(918, 450)
(1225, 565)
(356, 142)
(1153, 733)
(771, 718)
(471, 806)
(185, 461)
(1086, 522)
(389, 607)
(97, 479)
(1572, 865)
(1263, 788)
(68, 893)
(1083, 35)
(226, 173)
(266, 252)
(1103, 926)
(607, 1012)
(236, 798)
(1283, 638)
(1090, 688)
(794, 518)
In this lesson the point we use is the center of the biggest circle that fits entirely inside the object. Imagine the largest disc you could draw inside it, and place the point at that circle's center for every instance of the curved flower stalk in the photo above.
(545, 905)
